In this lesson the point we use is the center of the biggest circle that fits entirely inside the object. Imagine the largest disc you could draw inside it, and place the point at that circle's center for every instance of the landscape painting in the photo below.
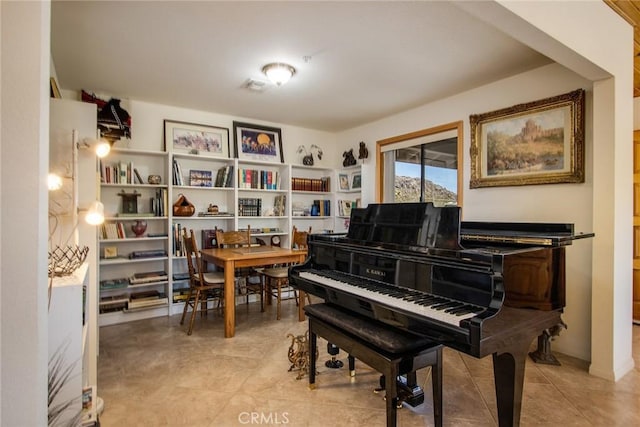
(535, 143)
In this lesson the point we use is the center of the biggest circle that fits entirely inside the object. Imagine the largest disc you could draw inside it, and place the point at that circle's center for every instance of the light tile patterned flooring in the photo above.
(150, 373)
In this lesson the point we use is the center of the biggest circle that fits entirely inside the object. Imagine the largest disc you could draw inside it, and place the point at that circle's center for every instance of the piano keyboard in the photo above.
(423, 304)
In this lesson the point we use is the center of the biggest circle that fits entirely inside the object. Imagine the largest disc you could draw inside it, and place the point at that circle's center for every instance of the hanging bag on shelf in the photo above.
(183, 207)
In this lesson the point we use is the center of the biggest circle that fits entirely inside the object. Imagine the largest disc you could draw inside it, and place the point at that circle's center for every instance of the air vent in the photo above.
(256, 85)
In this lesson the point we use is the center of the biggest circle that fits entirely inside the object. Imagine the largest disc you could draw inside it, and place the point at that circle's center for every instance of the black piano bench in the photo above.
(390, 351)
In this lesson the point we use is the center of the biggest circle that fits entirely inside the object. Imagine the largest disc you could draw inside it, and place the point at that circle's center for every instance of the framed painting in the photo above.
(343, 179)
(356, 181)
(192, 138)
(257, 142)
(540, 142)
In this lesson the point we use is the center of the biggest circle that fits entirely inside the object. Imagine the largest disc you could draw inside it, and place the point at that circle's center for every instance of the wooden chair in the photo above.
(237, 239)
(202, 285)
(276, 279)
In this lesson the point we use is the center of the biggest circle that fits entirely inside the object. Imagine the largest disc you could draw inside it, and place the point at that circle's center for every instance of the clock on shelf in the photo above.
(275, 240)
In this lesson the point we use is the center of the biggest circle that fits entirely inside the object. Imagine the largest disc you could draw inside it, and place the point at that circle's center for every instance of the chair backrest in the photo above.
(226, 239)
(299, 239)
(194, 261)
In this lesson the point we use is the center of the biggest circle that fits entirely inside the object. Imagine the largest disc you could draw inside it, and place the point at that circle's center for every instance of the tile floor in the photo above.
(150, 373)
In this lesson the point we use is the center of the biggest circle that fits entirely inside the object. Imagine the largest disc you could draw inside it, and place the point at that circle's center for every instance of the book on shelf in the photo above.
(258, 179)
(177, 173)
(138, 176)
(113, 299)
(133, 304)
(200, 178)
(147, 299)
(151, 253)
(133, 214)
(321, 208)
(279, 205)
(344, 207)
(311, 184)
(114, 283)
(220, 214)
(148, 277)
(180, 276)
(224, 176)
(159, 202)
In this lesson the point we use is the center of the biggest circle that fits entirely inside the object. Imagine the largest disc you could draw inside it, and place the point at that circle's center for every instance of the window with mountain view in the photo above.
(421, 167)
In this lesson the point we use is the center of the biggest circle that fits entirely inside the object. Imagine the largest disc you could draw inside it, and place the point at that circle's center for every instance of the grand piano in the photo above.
(481, 288)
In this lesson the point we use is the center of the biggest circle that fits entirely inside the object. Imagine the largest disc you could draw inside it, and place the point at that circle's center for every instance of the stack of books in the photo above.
(148, 277)
(147, 299)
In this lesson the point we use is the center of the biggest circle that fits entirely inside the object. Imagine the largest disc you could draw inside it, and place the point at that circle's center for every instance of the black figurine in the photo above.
(349, 159)
(363, 151)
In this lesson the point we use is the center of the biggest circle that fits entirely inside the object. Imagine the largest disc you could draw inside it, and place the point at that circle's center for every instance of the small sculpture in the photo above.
(307, 159)
(363, 151)
(349, 159)
(212, 209)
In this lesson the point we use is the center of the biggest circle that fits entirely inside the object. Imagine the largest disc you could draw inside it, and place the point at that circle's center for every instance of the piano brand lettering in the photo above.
(375, 272)
(264, 418)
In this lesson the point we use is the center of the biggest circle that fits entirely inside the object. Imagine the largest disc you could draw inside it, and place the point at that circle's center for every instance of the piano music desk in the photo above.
(232, 258)
(391, 352)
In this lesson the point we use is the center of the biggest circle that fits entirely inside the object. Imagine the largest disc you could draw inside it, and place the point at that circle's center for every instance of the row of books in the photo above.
(311, 184)
(177, 240)
(112, 230)
(134, 301)
(177, 173)
(160, 202)
(203, 178)
(249, 206)
(258, 179)
(136, 279)
(151, 253)
(120, 173)
(224, 177)
(321, 208)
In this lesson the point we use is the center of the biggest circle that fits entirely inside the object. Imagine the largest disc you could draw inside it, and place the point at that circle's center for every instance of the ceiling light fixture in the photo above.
(278, 72)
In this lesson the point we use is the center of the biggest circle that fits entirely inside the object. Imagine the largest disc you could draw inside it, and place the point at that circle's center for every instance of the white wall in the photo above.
(25, 28)
(147, 130)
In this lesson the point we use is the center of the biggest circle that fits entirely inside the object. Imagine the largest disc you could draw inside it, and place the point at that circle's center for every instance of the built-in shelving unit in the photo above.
(227, 194)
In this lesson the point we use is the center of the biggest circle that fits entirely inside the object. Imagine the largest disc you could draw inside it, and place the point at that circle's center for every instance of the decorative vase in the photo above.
(139, 228)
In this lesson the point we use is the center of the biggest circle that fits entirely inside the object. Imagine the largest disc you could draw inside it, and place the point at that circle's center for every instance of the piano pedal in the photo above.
(412, 394)
(398, 402)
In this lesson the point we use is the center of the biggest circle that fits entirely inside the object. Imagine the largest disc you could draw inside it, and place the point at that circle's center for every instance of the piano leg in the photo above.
(508, 373)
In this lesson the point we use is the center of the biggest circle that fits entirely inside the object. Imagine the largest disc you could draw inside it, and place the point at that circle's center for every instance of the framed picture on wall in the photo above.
(192, 138)
(257, 142)
(540, 142)
(356, 181)
(343, 181)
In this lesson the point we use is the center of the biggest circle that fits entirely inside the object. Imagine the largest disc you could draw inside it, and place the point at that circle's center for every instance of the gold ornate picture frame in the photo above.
(540, 142)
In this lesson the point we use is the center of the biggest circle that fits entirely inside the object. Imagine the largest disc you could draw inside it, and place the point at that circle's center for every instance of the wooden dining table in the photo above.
(255, 256)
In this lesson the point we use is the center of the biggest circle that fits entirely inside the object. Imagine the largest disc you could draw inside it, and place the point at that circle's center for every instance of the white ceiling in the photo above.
(368, 59)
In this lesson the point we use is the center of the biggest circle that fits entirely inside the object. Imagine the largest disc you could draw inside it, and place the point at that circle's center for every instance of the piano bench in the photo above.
(390, 351)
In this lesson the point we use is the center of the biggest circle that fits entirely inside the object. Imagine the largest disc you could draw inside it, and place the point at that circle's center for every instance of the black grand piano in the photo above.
(478, 287)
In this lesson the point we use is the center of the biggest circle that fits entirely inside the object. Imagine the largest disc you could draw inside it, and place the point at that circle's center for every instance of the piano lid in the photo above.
(520, 233)
(408, 224)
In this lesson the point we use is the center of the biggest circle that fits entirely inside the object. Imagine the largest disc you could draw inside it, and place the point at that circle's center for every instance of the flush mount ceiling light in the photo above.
(278, 72)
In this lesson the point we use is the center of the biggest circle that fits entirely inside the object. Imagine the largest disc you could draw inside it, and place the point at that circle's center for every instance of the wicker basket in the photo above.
(64, 261)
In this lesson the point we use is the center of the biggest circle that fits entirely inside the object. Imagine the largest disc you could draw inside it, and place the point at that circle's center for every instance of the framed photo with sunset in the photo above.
(257, 142)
